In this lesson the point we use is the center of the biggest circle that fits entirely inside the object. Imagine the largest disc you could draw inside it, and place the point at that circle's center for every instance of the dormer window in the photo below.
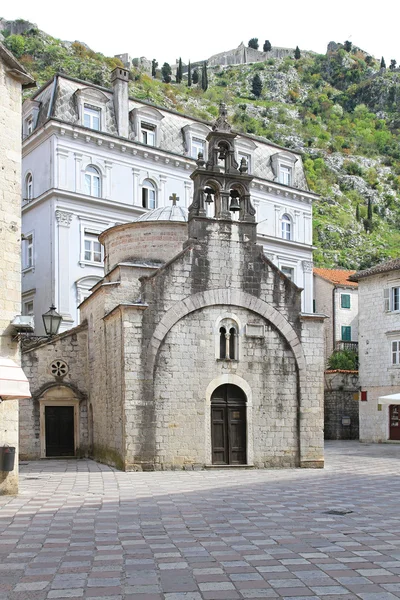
(247, 158)
(145, 123)
(148, 134)
(285, 175)
(194, 140)
(197, 147)
(283, 166)
(91, 117)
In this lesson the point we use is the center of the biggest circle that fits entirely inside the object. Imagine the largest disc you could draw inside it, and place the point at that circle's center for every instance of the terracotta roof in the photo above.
(385, 267)
(336, 276)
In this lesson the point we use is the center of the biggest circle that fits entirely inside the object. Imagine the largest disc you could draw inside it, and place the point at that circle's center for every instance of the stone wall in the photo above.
(243, 55)
(10, 248)
(70, 347)
(341, 399)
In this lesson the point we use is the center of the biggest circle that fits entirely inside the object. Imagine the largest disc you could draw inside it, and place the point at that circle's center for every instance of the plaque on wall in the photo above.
(255, 330)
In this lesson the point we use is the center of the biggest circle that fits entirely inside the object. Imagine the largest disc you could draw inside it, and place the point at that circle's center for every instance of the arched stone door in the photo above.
(228, 425)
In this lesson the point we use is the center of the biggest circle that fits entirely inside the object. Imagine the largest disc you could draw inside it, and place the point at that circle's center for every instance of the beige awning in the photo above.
(391, 399)
(13, 381)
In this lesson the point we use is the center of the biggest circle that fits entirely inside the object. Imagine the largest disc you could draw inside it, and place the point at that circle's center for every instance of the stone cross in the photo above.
(174, 199)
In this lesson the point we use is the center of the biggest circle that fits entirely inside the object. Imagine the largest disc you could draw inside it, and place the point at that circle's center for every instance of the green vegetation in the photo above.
(345, 360)
(267, 46)
(253, 43)
(340, 110)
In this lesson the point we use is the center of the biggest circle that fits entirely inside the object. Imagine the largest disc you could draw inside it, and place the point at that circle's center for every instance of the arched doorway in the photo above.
(228, 425)
(59, 422)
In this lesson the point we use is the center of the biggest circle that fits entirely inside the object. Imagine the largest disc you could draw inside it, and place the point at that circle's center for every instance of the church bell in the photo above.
(235, 204)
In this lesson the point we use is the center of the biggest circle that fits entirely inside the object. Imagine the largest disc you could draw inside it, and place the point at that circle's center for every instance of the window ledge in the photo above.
(28, 270)
(228, 360)
(90, 263)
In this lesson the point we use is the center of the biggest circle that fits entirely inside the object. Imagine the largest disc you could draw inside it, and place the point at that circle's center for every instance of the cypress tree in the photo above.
(179, 72)
(154, 65)
(297, 54)
(369, 210)
(383, 64)
(256, 85)
(204, 77)
(189, 75)
(267, 46)
(166, 72)
(348, 46)
(357, 212)
(195, 76)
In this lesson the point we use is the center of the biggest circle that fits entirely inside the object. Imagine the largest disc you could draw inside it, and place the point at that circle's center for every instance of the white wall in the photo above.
(59, 156)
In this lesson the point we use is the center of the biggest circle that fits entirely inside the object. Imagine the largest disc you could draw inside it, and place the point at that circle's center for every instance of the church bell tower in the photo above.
(221, 186)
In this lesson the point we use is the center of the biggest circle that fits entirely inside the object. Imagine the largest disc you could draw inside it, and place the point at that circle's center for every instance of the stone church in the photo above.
(192, 351)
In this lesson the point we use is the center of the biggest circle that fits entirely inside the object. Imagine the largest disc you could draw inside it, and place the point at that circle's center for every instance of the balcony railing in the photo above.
(353, 346)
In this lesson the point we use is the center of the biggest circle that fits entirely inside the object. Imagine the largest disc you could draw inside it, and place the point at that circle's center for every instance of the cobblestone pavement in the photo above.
(83, 530)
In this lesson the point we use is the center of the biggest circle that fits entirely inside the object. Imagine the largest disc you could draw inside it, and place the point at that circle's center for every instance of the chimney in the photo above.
(119, 80)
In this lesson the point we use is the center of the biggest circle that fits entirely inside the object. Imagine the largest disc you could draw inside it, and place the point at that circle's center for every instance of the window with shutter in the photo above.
(346, 333)
(345, 300)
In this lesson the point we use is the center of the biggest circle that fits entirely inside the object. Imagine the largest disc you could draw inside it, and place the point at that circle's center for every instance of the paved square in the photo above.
(83, 530)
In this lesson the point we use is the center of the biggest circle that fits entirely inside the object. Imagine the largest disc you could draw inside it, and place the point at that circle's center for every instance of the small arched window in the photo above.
(149, 194)
(286, 227)
(92, 181)
(228, 340)
(29, 186)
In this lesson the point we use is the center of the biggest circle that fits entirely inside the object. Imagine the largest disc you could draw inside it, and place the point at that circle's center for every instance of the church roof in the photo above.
(166, 213)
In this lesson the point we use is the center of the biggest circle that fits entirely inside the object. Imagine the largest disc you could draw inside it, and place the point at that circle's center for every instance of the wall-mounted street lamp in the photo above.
(24, 327)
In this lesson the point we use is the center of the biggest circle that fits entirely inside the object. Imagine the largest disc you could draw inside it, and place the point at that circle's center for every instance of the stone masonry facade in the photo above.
(147, 359)
(10, 246)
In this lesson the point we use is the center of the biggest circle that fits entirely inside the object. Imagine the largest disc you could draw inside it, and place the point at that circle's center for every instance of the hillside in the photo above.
(341, 110)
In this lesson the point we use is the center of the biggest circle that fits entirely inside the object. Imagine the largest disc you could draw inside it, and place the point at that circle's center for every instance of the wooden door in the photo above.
(394, 423)
(59, 431)
(228, 425)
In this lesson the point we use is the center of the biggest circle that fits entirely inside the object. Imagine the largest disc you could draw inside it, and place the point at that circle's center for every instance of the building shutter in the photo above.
(346, 333)
(386, 300)
(345, 300)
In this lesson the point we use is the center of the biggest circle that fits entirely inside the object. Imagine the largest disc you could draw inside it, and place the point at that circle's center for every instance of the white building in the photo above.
(337, 298)
(379, 351)
(94, 158)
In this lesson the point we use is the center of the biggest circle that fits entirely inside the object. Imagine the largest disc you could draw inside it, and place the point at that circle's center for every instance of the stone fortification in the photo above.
(244, 55)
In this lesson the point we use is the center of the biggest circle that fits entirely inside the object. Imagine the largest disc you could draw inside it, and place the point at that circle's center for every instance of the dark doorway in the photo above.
(59, 430)
(394, 423)
(228, 425)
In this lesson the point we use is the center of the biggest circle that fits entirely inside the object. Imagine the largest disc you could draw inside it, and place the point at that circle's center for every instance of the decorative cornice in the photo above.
(134, 148)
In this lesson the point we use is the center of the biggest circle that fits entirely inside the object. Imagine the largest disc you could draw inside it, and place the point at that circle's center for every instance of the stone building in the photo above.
(95, 157)
(379, 351)
(337, 297)
(192, 350)
(13, 78)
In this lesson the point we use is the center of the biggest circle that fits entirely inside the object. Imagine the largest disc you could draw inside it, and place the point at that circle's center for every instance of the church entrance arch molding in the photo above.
(244, 386)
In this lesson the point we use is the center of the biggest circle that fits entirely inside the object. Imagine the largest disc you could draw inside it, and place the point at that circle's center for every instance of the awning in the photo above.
(391, 399)
(13, 382)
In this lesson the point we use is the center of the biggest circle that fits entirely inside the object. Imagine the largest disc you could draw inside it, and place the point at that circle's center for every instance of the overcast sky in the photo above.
(196, 30)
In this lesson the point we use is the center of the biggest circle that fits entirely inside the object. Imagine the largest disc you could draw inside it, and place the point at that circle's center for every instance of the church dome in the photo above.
(165, 213)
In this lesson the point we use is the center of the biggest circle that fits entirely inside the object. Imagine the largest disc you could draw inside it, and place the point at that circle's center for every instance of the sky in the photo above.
(197, 30)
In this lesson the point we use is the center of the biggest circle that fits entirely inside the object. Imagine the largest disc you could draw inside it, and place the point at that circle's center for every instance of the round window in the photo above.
(59, 368)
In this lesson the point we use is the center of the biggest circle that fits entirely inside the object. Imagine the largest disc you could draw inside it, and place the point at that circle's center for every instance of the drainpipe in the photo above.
(334, 318)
